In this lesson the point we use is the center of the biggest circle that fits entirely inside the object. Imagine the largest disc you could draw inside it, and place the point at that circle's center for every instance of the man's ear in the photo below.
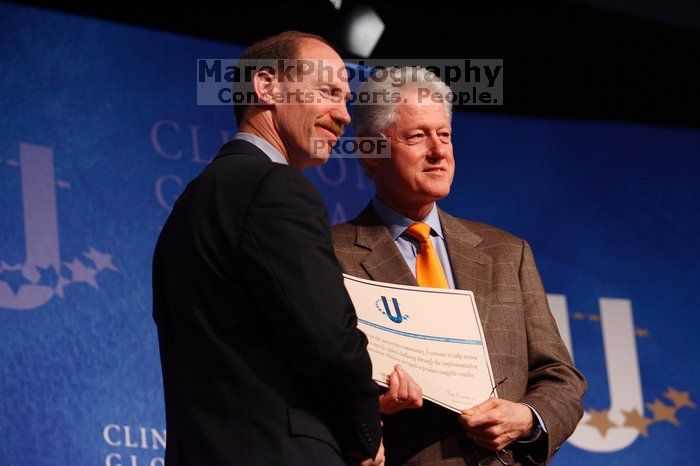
(264, 85)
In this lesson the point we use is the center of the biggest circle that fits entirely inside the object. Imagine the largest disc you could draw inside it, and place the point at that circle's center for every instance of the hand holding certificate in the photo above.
(435, 334)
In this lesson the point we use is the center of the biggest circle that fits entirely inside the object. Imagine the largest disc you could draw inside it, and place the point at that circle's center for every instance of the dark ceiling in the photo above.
(590, 59)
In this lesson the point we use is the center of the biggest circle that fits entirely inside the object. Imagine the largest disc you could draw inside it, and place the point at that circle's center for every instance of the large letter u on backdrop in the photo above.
(40, 228)
(622, 366)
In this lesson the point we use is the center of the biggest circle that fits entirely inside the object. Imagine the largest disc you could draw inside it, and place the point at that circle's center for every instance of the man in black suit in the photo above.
(262, 361)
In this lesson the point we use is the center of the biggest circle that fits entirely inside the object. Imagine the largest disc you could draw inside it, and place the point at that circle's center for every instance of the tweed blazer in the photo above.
(521, 335)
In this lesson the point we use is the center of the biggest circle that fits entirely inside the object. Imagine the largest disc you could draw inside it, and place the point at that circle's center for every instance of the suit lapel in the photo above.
(384, 262)
(471, 267)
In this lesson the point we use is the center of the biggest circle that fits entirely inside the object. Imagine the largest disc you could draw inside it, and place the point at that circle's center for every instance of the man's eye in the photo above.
(414, 138)
(326, 91)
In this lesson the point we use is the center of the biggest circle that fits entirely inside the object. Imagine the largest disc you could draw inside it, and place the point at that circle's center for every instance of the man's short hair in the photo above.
(266, 53)
(379, 112)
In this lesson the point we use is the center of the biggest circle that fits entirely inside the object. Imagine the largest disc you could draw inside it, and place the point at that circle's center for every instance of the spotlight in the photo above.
(364, 28)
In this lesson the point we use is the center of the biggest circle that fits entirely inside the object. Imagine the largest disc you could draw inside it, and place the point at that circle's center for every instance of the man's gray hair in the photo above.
(375, 107)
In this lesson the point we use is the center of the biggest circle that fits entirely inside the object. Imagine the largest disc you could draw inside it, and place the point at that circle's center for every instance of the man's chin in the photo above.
(324, 133)
(316, 159)
(320, 149)
(435, 195)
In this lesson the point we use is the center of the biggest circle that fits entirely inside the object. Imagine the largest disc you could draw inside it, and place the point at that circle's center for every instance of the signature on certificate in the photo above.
(458, 397)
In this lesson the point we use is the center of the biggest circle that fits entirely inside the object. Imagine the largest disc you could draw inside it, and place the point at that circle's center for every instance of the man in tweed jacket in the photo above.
(539, 404)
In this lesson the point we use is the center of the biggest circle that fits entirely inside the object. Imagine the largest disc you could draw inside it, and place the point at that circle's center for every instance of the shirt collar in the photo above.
(396, 223)
(269, 150)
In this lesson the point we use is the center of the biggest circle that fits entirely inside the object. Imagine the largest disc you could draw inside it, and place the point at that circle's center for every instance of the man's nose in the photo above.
(340, 114)
(438, 148)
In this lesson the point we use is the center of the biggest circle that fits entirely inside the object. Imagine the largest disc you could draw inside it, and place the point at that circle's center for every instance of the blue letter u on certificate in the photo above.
(394, 318)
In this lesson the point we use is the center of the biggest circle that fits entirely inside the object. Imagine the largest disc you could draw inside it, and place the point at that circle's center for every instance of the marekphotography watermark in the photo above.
(350, 148)
(229, 82)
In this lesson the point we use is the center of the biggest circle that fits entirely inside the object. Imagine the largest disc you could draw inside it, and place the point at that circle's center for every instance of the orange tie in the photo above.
(429, 272)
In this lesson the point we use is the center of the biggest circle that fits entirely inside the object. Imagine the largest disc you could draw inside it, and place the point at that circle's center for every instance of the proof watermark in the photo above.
(316, 81)
(350, 148)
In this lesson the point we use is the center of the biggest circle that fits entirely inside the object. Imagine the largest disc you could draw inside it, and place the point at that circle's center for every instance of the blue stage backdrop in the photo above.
(100, 133)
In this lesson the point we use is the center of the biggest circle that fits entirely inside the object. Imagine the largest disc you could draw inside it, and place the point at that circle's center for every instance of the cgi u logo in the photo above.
(622, 366)
(396, 317)
(43, 254)
(40, 227)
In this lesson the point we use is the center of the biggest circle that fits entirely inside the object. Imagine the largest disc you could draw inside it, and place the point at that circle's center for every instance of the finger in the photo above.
(488, 405)
(480, 408)
(481, 422)
(501, 442)
(387, 404)
(490, 416)
(485, 420)
(468, 424)
(415, 395)
(493, 438)
(404, 380)
(393, 385)
(379, 460)
(471, 422)
(494, 432)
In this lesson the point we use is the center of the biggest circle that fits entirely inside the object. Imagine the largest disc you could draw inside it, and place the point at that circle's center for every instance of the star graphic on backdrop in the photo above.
(578, 315)
(12, 162)
(14, 279)
(641, 332)
(63, 184)
(47, 276)
(663, 412)
(680, 399)
(62, 282)
(101, 260)
(633, 419)
(81, 273)
(600, 420)
(5, 266)
(594, 317)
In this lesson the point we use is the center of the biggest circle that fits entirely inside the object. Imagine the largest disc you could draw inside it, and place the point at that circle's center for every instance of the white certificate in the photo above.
(435, 334)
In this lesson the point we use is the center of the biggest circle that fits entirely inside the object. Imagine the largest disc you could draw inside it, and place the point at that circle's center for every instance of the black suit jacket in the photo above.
(262, 361)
